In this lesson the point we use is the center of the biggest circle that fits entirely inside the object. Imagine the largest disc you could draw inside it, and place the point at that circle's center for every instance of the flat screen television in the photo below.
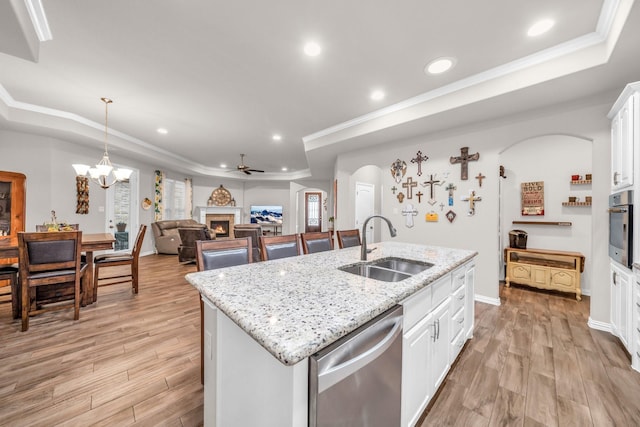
(266, 214)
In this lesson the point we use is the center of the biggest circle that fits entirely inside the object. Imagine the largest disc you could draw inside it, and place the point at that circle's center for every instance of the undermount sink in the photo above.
(387, 269)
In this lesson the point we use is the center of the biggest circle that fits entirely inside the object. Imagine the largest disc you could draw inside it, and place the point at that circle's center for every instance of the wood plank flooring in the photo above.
(533, 361)
(134, 360)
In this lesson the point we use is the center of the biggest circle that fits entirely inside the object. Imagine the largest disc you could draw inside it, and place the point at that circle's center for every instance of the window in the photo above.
(174, 199)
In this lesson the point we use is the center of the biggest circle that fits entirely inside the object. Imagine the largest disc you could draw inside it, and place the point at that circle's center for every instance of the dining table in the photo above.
(91, 242)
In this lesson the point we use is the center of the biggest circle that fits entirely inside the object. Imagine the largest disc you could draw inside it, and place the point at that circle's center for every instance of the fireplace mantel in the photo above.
(200, 212)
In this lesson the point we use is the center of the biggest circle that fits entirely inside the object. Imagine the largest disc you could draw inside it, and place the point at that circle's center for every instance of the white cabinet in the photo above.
(625, 133)
(635, 321)
(435, 330)
(621, 301)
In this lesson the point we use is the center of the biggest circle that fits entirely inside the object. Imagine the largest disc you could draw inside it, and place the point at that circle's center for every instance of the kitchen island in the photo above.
(263, 321)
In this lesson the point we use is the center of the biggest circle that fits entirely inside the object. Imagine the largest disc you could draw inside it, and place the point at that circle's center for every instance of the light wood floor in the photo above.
(135, 360)
(533, 361)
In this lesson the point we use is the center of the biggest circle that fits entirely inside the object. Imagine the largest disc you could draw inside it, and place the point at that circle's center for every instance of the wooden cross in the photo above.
(431, 183)
(409, 186)
(480, 177)
(409, 212)
(419, 194)
(419, 159)
(464, 160)
(394, 189)
(472, 199)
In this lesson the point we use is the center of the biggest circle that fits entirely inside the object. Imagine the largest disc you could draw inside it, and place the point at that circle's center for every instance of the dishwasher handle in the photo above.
(334, 374)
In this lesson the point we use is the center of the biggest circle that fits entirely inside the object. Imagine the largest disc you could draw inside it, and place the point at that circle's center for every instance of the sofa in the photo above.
(188, 237)
(166, 235)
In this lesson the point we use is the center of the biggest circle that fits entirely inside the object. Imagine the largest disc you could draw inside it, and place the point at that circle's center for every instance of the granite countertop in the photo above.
(296, 306)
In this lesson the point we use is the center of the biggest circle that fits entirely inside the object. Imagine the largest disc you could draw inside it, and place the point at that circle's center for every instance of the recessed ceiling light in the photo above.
(284, 169)
(377, 95)
(540, 27)
(312, 49)
(223, 165)
(439, 65)
(162, 131)
(276, 137)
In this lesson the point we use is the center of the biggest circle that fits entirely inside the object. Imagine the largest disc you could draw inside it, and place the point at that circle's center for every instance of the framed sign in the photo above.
(532, 195)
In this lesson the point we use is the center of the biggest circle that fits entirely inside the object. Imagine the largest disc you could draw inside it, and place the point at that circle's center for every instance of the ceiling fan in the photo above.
(244, 168)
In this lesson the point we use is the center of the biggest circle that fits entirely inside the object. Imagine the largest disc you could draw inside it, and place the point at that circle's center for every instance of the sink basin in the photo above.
(389, 269)
(402, 265)
(374, 272)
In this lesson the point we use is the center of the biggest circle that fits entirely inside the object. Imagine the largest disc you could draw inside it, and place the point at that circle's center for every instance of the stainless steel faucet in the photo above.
(363, 249)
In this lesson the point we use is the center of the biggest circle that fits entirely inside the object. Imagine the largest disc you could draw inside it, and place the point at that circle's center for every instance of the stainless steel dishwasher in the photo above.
(356, 381)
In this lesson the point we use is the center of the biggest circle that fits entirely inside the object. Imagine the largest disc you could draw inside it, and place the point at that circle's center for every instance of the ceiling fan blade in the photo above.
(256, 170)
(247, 171)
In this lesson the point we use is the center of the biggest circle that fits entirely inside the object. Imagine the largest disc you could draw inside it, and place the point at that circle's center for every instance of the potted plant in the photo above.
(121, 226)
(331, 221)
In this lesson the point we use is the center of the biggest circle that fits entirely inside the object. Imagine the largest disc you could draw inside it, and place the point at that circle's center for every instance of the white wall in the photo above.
(530, 160)
(480, 232)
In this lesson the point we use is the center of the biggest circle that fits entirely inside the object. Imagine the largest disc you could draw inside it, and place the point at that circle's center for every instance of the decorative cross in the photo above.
(472, 199)
(480, 177)
(400, 196)
(409, 186)
(464, 160)
(394, 189)
(419, 159)
(441, 206)
(398, 169)
(409, 212)
(451, 188)
(419, 194)
(431, 183)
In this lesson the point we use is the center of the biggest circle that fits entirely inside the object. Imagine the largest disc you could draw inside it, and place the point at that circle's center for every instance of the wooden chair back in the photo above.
(276, 247)
(212, 254)
(316, 242)
(348, 238)
(49, 259)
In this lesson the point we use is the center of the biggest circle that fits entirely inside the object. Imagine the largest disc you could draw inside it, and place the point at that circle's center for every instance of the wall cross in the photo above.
(480, 177)
(431, 183)
(472, 199)
(419, 194)
(419, 159)
(451, 188)
(394, 189)
(464, 160)
(409, 212)
(409, 185)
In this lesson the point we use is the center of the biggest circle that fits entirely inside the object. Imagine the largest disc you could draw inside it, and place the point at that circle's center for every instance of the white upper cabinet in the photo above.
(625, 133)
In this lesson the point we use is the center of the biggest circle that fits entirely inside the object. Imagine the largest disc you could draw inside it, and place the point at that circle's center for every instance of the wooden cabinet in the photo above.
(545, 269)
(625, 133)
(12, 207)
(621, 302)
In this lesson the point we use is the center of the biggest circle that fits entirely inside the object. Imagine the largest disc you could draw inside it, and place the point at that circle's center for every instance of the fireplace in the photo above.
(221, 225)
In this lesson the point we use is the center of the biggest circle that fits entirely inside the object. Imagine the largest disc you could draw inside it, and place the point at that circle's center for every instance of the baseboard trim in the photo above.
(487, 300)
(600, 326)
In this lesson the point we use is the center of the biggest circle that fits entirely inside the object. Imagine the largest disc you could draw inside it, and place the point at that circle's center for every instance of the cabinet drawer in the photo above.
(457, 300)
(520, 272)
(440, 290)
(457, 323)
(457, 279)
(416, 307)
(456, 345)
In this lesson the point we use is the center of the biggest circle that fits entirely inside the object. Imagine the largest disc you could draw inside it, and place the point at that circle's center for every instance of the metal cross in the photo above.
(394, 189)
(419, 159)
(451, 188)
(480, 177)
(441, 206)
(464, 160)
(431, 183)
(409, 186)
(472, 199)
(419, 194)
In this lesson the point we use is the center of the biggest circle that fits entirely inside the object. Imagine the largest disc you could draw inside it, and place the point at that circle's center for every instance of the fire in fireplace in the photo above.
(221, 228)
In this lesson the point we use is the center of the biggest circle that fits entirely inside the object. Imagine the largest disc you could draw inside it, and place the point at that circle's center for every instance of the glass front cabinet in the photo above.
(12, 207)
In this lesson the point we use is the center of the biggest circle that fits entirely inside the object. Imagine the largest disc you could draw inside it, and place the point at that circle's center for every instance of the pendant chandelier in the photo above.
(104, 173)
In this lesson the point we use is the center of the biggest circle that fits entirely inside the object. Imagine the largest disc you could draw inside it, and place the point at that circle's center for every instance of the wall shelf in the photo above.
(558, 223)
(576, 203)
(581, 181)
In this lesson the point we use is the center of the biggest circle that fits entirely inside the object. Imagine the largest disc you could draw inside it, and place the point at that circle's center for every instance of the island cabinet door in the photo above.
(416, 386)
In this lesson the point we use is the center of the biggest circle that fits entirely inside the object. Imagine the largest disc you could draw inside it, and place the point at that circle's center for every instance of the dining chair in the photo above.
(316, 242)
(50, 263)
(250, 230)
(348, 238)
(213, 254)
(119, 259)
(276, 247)
(10, 273)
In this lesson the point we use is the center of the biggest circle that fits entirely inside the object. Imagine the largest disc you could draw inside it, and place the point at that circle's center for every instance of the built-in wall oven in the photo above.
(621, 227)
